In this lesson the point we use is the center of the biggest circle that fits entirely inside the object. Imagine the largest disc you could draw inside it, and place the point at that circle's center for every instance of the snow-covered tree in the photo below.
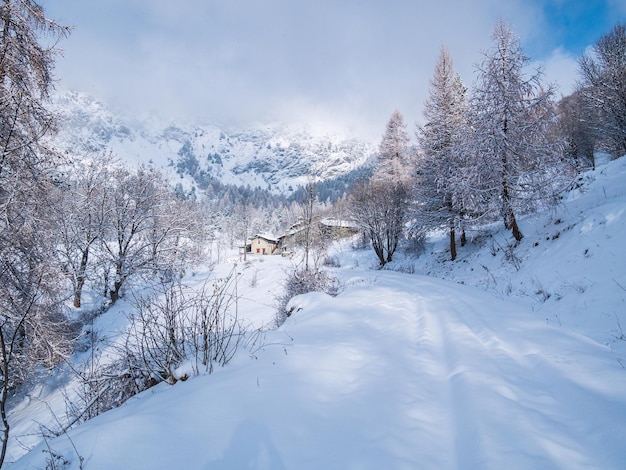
(511, 161)
(445, 113)
(379, 204)
(380, 209)
(308, 213)
(80, 212)
(31, 321)
(576, 126)
(603, 85)
(145, 226)
(394, 156)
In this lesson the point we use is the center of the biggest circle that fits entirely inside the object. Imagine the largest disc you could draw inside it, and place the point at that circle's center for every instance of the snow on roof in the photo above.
(331, 222)
(266, 236)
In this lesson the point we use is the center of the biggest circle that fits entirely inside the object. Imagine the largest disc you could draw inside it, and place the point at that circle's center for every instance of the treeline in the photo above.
(504, 148)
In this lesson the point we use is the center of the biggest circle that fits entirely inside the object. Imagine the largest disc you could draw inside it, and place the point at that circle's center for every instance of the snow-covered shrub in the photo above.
(177, 326)
(107, 386)
(173, 334)
(331, 262)
(301, 281)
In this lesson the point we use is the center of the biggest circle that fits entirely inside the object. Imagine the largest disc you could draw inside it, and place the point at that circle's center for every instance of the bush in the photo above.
(301, 281)
(173, 334)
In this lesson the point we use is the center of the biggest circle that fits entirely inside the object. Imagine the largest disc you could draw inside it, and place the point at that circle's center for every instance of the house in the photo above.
(329, 229)
(291, 238)
(263, 244)
(332, 228)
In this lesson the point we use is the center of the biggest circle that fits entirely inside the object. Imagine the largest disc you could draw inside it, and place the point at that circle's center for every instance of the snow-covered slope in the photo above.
(272, 157)
(402, 372)
(570, 266)
(522, 367)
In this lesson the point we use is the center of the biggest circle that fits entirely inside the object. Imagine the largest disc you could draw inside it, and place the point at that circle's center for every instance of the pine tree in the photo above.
(445, 113)
(511, 161)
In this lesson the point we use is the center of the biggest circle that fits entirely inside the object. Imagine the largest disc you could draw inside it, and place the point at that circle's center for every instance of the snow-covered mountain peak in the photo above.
(276, 157)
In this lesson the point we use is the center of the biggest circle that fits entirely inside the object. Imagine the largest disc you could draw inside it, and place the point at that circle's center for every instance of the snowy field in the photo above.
(502, 359)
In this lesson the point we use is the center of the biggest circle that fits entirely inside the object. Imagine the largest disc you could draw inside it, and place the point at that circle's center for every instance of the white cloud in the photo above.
(561, 68)
(241, 61)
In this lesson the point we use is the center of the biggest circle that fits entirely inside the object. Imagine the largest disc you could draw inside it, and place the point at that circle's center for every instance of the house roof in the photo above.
(339, 223)
(266, 236)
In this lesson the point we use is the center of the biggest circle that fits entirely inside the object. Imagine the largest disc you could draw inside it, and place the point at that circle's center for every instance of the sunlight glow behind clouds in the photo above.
(244, 61)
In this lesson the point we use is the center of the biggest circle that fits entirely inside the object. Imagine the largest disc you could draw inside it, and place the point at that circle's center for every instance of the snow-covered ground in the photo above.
(501, 359)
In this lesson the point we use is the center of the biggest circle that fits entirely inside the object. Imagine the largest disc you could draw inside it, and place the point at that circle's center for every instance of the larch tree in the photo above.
(512, 160)
(603, 86)
(445, 113)
(394, 155)
(32, 323)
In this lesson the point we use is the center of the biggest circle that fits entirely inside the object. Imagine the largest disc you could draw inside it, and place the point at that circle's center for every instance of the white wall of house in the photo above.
(263, 246)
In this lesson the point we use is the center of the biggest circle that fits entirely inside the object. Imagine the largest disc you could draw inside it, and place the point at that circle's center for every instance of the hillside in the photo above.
(276, 158)
(506, 358)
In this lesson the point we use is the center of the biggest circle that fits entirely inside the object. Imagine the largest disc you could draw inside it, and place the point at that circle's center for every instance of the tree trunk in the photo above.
(80, 282)
(4, 368)
(115, 292)
(117, 285)
(452, 242)
(80, 279)
(507, 208)
(514, 227)
(509, 216)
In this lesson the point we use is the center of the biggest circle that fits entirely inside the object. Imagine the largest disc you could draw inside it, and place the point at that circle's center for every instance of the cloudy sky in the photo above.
(346, 63)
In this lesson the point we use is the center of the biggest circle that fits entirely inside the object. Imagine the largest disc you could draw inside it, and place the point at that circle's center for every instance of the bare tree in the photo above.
(603, 85)
(310, 228)
(81, 210)
(242, 215)
(30, 317)
(576, 125)
(380, 208)
(145, 226)
(379, 205)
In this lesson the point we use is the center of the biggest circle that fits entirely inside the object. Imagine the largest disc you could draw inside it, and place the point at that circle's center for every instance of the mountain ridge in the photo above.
(278, 158)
